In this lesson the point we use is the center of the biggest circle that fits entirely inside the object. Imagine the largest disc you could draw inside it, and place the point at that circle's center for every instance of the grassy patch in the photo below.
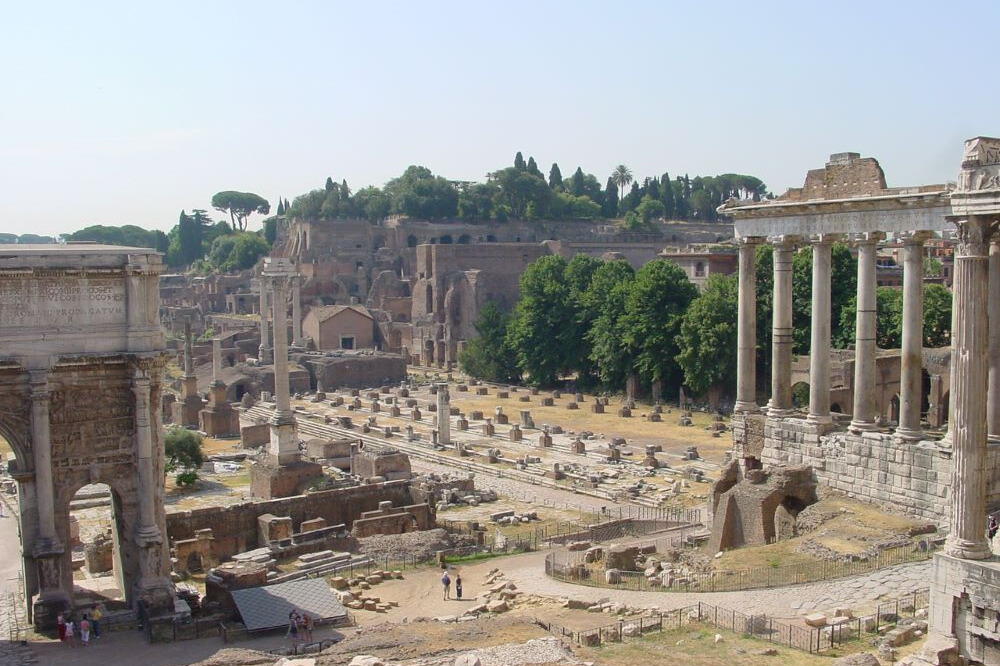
(694, 645)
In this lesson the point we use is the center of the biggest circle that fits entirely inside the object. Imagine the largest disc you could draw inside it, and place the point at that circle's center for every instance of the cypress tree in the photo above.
(609, 208)
(555, 177)
(519, 162)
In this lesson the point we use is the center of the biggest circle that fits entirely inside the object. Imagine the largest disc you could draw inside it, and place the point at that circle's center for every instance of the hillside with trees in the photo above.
(522, 191)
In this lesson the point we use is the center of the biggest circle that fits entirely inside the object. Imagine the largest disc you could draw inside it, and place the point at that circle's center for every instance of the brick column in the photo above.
(819, 352)
(746, 350)
(781, 331)
(865, 411)
(969, 374)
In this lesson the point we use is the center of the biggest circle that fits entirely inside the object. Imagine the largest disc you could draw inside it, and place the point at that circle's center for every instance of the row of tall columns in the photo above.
(969, 380)
(865, 411)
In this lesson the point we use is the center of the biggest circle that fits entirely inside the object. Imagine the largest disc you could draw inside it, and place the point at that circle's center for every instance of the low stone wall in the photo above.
(910, 476)
(234, 527)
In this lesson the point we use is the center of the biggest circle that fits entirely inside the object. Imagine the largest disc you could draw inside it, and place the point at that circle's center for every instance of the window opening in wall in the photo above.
(347, 342)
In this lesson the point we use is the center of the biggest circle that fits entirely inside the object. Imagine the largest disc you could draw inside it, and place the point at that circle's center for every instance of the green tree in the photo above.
(532, 168)
(419, 193)
(519, 162)
(622, 176)
(281, 207)
(667, 196)
(372, 204)
(237, 252)
(542, 323)
(649, 209)
(603, 304)
(654, 307)
(185, 241)
(610, 207)
(487, 356)
(240, 205)
(271, 230)
(889, 318)
(182, 448)
(555, 177)
(707, 338)
(522, 192)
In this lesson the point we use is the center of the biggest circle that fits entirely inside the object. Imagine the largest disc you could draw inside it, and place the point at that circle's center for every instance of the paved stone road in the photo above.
(860, 593)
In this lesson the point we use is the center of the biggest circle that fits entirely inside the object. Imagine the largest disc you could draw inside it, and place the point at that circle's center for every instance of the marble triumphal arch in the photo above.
(81, 364)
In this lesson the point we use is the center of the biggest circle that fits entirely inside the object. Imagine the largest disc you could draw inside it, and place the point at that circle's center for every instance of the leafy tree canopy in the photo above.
(240, 205)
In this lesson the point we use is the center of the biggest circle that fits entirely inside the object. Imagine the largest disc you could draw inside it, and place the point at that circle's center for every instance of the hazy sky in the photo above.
(126, 113)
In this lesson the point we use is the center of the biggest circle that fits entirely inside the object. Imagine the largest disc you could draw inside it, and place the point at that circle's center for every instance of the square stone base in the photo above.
(965, 605)
(220, 421)
(271, 481)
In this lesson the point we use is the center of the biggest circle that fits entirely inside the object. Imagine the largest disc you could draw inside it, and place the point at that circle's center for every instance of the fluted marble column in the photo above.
(781, 331)
(746, 349)
(819, 352)
(993, 393)
(865, 410)
(969, 376)
(913, 337)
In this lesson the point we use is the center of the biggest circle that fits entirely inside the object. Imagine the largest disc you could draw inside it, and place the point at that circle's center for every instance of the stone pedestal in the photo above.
(271, 481)
(219, 419)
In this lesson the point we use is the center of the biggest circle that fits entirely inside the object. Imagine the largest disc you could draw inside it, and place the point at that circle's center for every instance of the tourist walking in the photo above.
(293, 626)
(84, 631)
(61, 625)
(95, 620)
(307, 627)
(70, 636)
(446, 582)
(458, 586)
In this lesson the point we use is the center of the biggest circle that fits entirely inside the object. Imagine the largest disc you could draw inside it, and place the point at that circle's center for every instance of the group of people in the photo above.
(299, 626)
(88, 625)
(446, 582)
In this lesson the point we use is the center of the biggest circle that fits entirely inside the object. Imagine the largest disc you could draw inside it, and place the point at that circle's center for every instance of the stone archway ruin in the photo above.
(81, 366)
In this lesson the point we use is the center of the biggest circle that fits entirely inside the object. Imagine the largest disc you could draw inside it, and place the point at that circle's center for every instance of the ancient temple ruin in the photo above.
(951, 480)
(80, 383)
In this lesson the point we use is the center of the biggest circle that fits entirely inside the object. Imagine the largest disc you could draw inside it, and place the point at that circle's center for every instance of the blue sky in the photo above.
(119, 113)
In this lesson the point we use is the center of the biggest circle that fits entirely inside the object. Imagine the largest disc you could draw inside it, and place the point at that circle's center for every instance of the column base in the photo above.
(864, 426)
(746, 407)
(265, 355)
(819, 419)
(909, 435)
(46, 608)
(965, 549)
(779, 413)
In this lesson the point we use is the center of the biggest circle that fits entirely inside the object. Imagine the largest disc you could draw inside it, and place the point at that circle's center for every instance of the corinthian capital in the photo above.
(974, 235)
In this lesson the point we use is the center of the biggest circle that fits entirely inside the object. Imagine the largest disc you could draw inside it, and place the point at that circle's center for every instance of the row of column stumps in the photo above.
(864, 411)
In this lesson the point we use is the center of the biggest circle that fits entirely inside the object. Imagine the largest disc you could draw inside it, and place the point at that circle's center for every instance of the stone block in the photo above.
(815, 619)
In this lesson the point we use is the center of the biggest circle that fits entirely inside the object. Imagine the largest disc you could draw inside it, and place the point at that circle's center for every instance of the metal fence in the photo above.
(570, 567)
(762, 627)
